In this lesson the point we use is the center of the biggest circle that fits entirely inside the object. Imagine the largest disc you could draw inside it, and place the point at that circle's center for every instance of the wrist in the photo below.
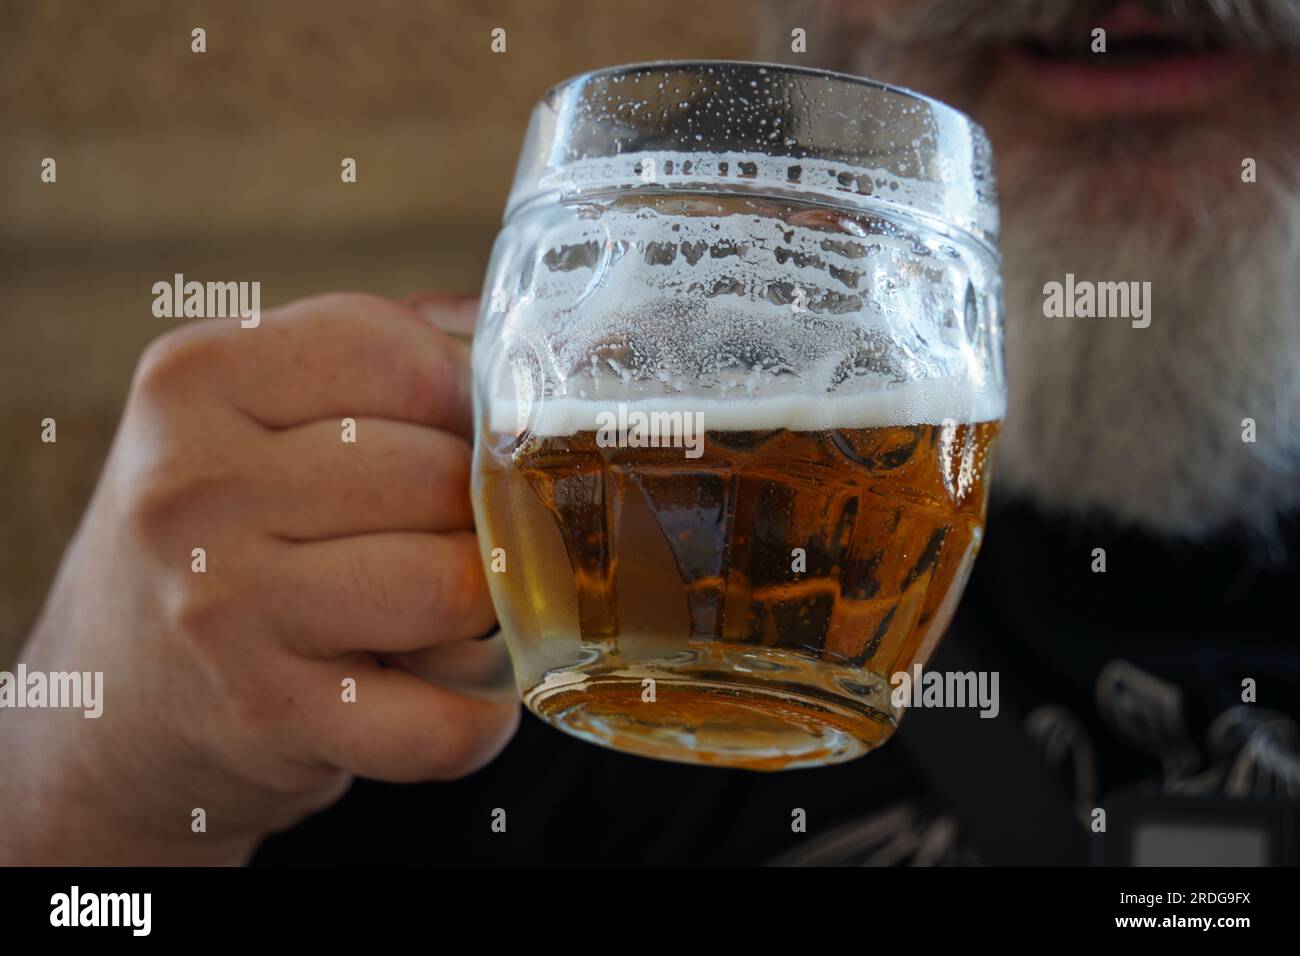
(62, 809)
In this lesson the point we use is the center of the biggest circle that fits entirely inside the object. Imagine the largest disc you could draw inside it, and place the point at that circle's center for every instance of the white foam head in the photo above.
(927, 402)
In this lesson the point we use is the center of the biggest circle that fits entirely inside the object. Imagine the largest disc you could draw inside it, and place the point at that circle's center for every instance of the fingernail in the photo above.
(454, 312)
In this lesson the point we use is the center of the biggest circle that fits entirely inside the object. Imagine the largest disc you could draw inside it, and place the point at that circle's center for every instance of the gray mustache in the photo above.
(1259, 25)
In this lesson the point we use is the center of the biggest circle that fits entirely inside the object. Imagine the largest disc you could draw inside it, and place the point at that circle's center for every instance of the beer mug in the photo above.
(738, 376)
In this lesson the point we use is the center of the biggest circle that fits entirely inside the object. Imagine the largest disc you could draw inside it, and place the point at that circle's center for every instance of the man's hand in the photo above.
(224, 689)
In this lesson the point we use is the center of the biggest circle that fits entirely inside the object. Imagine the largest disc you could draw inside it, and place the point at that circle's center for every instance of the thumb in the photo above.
(452, 312)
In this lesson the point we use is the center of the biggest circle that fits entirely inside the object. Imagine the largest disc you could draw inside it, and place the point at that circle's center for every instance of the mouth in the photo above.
(1150, 65)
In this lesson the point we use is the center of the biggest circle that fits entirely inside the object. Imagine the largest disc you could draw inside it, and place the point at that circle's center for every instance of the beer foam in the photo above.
(751, 314)
(926, 402)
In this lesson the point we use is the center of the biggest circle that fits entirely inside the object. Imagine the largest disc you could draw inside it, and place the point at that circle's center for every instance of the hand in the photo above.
(325, 560)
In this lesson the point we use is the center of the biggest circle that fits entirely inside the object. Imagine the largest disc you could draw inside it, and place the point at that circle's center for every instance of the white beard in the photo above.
(1143, 425)
(1146, 424)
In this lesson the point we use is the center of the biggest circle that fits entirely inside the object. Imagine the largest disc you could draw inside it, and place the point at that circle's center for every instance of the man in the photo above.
(1122, 443)
(1128, 164)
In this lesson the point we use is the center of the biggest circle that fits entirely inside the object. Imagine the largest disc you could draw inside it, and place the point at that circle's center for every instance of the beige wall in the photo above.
(225, 165)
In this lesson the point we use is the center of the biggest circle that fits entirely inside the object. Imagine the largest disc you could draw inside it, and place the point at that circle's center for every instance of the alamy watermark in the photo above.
(638, 429)
(1084, 299)
(75, 908)
(179, 299)
(942, 689)
(80, 690)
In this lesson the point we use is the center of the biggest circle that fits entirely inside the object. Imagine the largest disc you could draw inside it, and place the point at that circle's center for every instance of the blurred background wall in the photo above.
(225, 165)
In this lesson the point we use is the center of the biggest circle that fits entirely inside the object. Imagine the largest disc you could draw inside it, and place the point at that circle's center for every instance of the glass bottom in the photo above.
(745, 706)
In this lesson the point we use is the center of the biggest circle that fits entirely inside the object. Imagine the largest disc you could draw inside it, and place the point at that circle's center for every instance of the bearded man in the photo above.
(1135, 592)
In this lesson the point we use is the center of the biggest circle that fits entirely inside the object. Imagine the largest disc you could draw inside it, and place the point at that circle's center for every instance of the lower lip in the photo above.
(1171, 84)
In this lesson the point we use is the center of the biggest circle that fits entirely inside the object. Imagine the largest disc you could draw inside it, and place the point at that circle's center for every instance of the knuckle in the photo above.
(198, 609)
(251, 698)
(177, 481)
(157, 505)
(174, 360)
(198, 616)
(257, 707)
(163, 500)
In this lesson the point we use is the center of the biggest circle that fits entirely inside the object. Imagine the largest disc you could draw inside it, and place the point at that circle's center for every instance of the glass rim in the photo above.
(793, 69)
(845, 140)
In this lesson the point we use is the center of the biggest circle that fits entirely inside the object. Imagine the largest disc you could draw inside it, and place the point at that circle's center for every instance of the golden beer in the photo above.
(744, 607)
(737, 378)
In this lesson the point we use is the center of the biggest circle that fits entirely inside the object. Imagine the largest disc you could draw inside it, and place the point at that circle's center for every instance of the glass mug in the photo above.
(738, 375)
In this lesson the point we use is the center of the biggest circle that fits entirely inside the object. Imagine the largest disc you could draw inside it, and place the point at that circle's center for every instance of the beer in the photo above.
(737, 376)
(745, 606)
